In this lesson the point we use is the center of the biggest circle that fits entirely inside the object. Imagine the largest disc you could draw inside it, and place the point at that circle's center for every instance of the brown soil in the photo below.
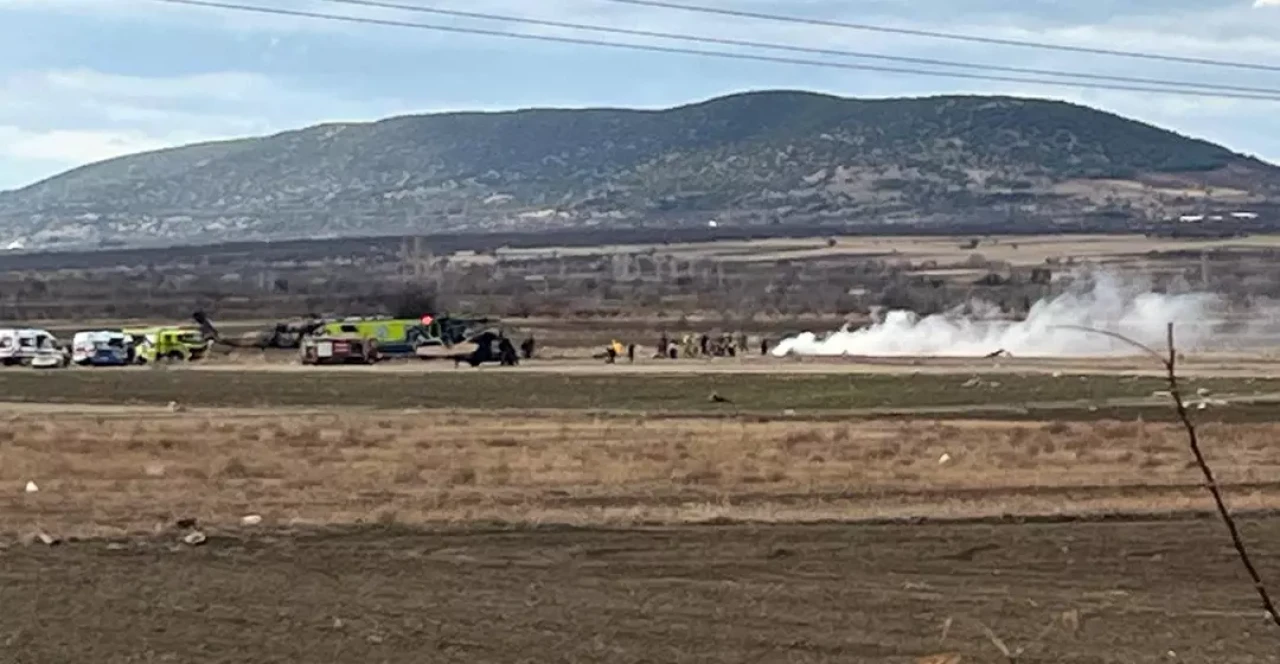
(1115, 593)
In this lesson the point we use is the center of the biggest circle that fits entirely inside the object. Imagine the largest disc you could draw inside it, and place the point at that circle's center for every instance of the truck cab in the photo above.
(168, 344)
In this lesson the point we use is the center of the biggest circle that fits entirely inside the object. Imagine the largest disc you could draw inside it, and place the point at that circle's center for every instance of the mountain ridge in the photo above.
(752, 157)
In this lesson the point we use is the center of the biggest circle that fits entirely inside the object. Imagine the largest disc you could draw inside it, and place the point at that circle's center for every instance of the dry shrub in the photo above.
(408, 475)
(1117, 430)
(1057, 428)
(701, 473)
(386, 516)
(885, 452)
(233, 468)
(499, 475)
(237, 469)
(802, 437)
(465, 476)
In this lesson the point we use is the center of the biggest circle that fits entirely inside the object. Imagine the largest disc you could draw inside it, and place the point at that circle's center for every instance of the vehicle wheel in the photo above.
(175, 356)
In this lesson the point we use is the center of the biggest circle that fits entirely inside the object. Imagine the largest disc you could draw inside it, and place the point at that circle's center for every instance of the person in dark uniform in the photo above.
(527, 347)
(764, 345)
(631, 353)
(704, 344)
(507, 353)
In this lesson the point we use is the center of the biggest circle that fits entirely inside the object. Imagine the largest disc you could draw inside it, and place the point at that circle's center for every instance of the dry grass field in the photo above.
(563, 536)
(126, 471)
(1016, 250)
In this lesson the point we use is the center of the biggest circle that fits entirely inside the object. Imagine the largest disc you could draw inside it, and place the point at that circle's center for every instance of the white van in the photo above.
(102, 348)
(30, 346)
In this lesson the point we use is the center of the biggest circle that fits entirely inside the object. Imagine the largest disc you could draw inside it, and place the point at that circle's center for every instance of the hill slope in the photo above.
(765, 157)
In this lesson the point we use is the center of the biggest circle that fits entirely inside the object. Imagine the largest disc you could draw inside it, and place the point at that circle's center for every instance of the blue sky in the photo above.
(84, 80)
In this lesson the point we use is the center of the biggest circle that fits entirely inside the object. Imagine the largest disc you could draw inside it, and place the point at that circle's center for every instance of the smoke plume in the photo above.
(1100, 301)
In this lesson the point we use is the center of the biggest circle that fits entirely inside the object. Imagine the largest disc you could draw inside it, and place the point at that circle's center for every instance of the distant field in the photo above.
(1017, 250)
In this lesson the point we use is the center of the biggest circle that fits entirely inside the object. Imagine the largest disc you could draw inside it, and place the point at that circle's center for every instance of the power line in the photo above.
(798, 49)
(707, 53)
(742, 13)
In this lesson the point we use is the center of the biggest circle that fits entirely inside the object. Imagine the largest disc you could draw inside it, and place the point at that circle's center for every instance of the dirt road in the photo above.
(1099, 593)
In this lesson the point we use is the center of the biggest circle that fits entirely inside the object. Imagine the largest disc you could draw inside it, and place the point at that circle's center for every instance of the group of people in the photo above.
(705, 345)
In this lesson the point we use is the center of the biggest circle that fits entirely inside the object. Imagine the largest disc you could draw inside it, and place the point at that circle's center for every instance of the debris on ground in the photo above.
(944, 459)
(194, 538)
(31, 487)
(186, 523)
(175, 407)
(716, 398)
(41, 537)
(250, 520)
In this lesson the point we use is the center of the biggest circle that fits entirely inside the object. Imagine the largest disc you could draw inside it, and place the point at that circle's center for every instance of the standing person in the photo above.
(764, 346)
(631, 353)
(507, 353)
(662, 345)
(704, 344)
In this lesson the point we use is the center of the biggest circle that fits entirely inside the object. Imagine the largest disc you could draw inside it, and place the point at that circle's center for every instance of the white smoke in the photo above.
(1100, 301)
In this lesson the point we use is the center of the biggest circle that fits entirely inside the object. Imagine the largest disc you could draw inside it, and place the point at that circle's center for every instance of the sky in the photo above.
(86, 80)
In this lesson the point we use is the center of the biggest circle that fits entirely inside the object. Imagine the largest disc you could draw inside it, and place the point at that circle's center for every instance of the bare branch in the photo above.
(1119, 337)
(1193, 438)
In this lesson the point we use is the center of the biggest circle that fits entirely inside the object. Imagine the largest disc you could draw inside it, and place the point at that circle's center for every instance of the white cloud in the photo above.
(220, 86)
(58, 119)
(1266, 3)
(79, 146)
